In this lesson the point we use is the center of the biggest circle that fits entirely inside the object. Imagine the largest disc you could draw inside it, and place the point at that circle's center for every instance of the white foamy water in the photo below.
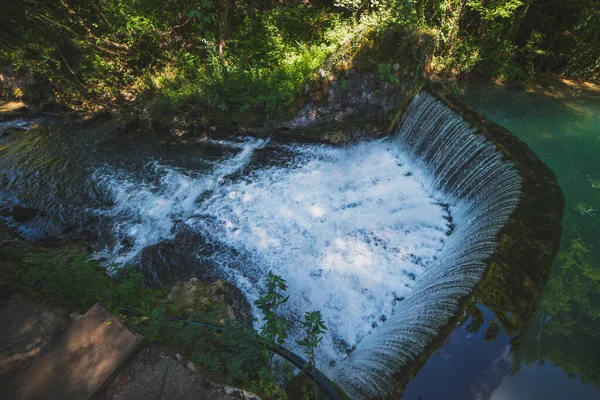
(352, 230)
(146, 210)
(349, 229)
(484, 189)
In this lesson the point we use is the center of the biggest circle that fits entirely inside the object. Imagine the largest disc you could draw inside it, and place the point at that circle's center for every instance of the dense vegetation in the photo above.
(258, 55)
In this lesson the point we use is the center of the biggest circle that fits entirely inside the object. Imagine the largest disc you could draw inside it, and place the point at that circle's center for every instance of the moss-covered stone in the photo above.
(528, 243)
(217, 297)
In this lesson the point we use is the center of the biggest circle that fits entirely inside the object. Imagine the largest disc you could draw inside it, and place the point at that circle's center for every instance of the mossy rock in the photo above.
(218, 298)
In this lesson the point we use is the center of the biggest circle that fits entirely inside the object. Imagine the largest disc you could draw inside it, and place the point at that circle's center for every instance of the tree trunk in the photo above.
(517, 20)
(223, 24)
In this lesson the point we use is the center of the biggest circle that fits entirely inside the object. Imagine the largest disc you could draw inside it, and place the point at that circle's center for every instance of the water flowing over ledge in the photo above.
(353, 229)
(383, 237)
(484, 190)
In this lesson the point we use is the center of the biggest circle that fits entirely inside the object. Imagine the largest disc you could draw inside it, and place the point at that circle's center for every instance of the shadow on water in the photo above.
(46, 165)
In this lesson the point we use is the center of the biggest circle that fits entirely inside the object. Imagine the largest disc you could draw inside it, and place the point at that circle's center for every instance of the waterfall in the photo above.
(483, 190)
(384, 237)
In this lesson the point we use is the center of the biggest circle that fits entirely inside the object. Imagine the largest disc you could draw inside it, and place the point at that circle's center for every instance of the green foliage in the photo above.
(385, 72)
(235, 355)
(508, 39)
(568, 315)
(496, 9)
(105, 53)
(239, 355)
(74, 280)
(533, 50)
(204, 13)
(99, 53)
(578, 276)
(267, 383)
(352, 5)
(314, 328)
(274, 329)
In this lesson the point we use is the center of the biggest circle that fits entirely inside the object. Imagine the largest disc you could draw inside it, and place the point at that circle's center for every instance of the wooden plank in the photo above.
(82, 361)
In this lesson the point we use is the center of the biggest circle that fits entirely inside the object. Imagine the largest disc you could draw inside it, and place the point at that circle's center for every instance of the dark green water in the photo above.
(558, 354)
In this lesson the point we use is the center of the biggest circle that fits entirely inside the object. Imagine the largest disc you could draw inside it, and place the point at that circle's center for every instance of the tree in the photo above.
(223, 24)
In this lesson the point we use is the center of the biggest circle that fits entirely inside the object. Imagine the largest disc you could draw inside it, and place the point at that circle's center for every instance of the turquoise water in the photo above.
(558, 355)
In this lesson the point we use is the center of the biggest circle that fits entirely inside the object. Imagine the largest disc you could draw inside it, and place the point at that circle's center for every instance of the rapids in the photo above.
(383, 237)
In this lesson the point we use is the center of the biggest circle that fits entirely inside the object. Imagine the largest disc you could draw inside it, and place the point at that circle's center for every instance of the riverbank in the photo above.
(29, 326)
(352, 105)
(551, 86)
(44, 286)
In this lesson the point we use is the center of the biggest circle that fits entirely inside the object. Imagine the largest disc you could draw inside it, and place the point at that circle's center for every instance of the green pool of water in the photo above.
(562, 126)
(558, 355)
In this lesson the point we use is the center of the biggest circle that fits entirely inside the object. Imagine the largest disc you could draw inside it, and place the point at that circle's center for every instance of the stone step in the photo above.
(82, 361)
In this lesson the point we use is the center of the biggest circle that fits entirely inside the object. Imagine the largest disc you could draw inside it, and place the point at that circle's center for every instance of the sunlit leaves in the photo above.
(490, 10)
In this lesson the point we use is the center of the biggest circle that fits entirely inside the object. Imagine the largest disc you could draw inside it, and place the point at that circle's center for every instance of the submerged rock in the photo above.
(132, 123)
(10, 131)
(24, 214)
(492, 332)
(170, 261)
(22, 109)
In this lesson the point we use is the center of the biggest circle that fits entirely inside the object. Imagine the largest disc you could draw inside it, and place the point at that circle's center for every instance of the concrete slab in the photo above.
(82, 361)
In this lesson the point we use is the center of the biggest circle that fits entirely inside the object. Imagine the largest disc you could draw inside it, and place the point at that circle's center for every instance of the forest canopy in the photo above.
(241, 55)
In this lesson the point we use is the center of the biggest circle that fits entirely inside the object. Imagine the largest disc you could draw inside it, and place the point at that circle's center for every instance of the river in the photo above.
(243, 206)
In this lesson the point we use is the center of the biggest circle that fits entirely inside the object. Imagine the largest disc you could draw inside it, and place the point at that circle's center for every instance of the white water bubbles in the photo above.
(148, 206)
(349, 229)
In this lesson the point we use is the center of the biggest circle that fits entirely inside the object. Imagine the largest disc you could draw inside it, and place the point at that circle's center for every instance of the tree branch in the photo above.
(106, 42)
(86, 40)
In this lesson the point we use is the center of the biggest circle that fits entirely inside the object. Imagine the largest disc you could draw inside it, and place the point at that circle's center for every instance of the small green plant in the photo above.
(274, 329)
(75, 280)
(314, 328)
(385, 72)
(532, 50)
(238, 355)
